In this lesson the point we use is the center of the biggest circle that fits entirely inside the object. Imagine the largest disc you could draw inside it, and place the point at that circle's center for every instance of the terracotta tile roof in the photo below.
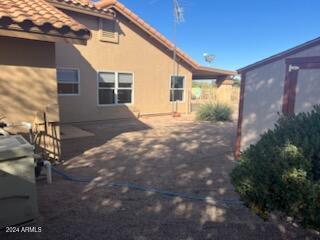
(82, 3)
(40, 14)
(79, 4)
(158, 36)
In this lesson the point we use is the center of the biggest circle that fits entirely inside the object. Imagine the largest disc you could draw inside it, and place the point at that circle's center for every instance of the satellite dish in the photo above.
(209, 58)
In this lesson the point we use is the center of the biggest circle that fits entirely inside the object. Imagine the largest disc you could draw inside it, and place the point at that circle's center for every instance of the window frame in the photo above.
(78, 73)
(184, 88)
(116, 88)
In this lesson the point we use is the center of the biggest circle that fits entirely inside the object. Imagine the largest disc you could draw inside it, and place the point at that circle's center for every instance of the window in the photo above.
(108, 31)
(107, 87)
(114, 88)
(177, 88)
(68, 81)
(124, 88)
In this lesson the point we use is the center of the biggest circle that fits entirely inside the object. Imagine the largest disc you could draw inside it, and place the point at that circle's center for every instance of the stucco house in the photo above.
(288, 82)
(126, 68)
(77, 60)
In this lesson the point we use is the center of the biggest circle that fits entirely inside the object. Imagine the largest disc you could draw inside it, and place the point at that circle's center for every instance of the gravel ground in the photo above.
(173, 154)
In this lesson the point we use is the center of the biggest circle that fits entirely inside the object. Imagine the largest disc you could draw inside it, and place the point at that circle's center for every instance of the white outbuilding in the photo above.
(288, 82)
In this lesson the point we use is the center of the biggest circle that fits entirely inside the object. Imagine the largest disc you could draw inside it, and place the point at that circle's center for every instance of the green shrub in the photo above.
(214, 112)
(282, 170)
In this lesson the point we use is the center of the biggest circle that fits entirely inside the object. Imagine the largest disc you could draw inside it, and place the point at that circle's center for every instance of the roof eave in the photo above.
(209, 73)
(217, 70)
(42, 37)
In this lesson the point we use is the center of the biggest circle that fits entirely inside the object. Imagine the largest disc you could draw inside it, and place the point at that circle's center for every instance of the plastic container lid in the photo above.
(14, 146)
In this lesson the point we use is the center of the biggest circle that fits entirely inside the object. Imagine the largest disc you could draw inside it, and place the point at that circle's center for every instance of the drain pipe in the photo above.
(48, 167)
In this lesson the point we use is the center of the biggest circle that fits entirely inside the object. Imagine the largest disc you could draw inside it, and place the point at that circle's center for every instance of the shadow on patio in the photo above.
(101, 131)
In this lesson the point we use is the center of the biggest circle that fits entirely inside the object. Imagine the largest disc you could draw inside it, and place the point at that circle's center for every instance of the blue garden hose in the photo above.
(134, 186)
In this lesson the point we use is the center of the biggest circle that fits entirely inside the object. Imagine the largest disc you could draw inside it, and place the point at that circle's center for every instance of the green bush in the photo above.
(282, 170)
(214, 112)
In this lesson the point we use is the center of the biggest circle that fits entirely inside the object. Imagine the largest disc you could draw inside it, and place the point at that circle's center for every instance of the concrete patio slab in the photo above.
(70, 132)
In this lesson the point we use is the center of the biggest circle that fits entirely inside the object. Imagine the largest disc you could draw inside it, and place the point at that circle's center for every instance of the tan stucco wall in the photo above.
(263, 97)
(27, 79)
(135, 53)
(28, 85)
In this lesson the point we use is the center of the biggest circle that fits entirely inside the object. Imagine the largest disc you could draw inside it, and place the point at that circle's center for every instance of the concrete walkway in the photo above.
(175, 155)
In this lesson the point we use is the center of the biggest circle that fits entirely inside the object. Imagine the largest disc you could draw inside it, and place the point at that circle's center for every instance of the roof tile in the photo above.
(39, 13)
(82, 4)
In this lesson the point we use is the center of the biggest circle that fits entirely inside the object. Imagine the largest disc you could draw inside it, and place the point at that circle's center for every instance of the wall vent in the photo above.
(109, 31)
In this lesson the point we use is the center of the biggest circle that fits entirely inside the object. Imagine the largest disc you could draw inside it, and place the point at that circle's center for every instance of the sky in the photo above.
(237, 32)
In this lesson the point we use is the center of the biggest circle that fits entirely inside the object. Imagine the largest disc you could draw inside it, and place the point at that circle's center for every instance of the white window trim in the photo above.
(116, 88)
(69, 94)
(184, 88)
